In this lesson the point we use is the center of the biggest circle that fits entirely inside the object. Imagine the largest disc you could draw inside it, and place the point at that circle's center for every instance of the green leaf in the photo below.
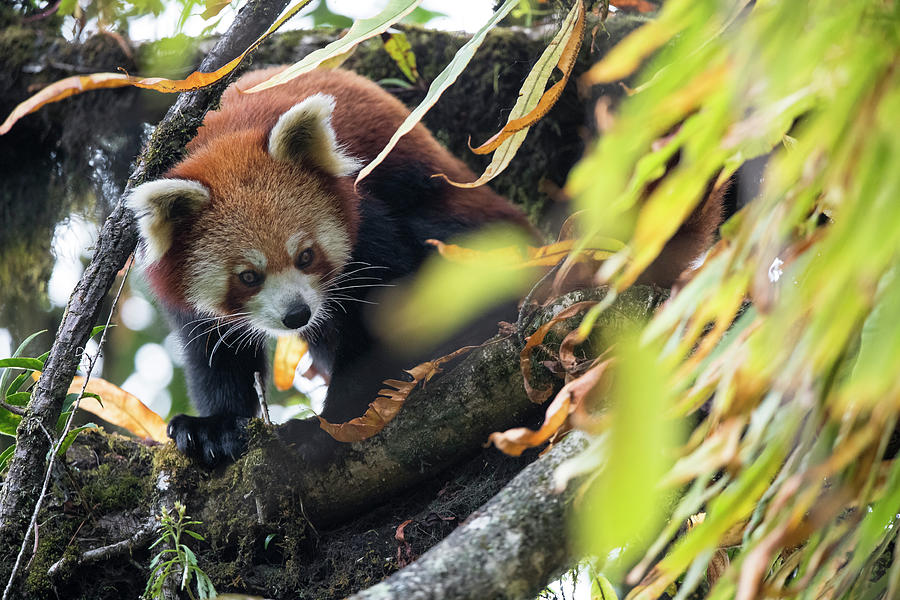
(97, 329)
(5, 457)
(387, 81)
(421, 16)
(32, 364)
(16, 385)
(624, 508)
(269, 538)
(9, 422)
(397, 46)
(19, 398)
(17, 353)
(323, 16)
(70, 437)
(440, 85)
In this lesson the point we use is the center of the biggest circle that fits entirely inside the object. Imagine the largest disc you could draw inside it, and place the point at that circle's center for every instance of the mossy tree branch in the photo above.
(117, 241)
(509, 548)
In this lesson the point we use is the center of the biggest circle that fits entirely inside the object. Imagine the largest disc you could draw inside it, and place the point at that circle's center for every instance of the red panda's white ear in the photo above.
(159, 204)
(304, 132)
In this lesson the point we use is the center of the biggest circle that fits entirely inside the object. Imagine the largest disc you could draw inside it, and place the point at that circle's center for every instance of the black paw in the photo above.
(211, 440)
(309, 441)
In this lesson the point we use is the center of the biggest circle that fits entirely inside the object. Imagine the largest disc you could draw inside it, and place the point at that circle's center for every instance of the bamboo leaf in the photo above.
(361, 30)
(440, 84)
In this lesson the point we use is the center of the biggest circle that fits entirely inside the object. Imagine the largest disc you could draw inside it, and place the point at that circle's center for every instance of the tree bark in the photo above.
(508, 549)
(118, 238)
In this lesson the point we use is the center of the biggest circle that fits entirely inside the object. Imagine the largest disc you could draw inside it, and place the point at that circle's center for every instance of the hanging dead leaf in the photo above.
(389, 402)
(535, 339)
(120, 408)
(569, 38)
(288, 351)
(77, 84)
(533, 102)
(515, 441)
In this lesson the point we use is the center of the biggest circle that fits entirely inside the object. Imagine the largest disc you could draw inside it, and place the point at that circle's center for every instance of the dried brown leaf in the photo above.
(517, 440)
(389, 402)
(120, 408)
(537, 338)
(77, 84)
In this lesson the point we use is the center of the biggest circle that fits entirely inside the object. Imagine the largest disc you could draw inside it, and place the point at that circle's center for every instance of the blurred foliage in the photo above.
(797, 396)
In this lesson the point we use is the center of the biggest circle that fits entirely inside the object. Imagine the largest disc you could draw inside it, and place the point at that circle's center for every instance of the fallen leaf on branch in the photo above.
(120, 408)
(515, 441)
(388, 403)
(288, 351)
(537, 338)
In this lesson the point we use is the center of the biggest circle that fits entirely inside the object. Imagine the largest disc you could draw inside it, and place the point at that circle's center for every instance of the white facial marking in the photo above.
(279, 293)
(207, 285)
(255, 258)
(293, 243)
(334, 241)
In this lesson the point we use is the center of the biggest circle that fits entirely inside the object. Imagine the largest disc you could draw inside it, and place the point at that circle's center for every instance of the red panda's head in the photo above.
(255, 222)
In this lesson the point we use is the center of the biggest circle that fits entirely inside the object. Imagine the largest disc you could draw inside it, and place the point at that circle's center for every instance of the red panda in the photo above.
(260, 232)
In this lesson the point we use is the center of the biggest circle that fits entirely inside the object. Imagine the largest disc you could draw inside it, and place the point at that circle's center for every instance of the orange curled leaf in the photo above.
(288, 351)
(515, 441)
(571, 35)
(388, 403)
(537, 338)
(120, 408)
(71, 86)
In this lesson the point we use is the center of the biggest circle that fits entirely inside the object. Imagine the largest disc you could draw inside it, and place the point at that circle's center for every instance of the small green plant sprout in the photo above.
(177, 559)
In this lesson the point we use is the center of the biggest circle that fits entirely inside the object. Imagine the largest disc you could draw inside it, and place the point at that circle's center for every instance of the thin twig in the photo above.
(144, 534)
(16, 410)
(55, 446)
(261, 394)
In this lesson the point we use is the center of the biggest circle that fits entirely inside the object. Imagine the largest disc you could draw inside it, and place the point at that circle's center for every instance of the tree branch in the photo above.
(116, 243)
(509, 548)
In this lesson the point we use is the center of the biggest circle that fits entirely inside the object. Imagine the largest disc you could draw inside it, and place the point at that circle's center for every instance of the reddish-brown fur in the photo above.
(230, 157)
(363, 136)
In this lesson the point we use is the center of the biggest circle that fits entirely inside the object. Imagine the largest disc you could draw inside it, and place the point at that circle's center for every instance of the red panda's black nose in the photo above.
(298, 316)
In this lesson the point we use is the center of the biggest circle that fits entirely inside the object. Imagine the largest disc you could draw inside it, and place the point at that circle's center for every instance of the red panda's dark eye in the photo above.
(250, 278)
(305, 258)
